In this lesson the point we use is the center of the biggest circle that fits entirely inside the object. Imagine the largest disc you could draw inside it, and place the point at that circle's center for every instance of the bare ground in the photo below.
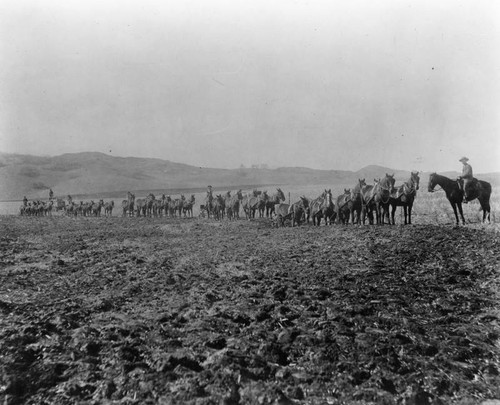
(134, 311)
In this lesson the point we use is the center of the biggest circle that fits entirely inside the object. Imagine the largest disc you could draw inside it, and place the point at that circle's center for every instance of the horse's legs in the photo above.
(393, 212)
(461, 213)
(485, 206)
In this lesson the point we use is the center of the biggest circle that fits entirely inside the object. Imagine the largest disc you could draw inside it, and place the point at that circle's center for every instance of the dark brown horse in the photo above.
(479, 189)
(382, 194)
(404, 196)
(298, 210)
(218, 207)
(369, 206)
(343, 206)
(188, 206)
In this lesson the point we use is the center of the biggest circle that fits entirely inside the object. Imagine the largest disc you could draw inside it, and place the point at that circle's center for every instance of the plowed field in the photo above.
(135, 311)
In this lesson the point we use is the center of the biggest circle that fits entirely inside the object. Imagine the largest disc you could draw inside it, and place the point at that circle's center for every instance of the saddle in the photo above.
(474, 185)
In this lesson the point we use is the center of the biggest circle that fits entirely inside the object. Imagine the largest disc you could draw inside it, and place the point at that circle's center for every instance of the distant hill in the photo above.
(98, 173)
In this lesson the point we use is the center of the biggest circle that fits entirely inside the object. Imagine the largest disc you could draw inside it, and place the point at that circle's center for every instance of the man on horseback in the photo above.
(466, 178)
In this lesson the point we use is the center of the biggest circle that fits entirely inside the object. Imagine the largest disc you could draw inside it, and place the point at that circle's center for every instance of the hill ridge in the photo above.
(96, 172)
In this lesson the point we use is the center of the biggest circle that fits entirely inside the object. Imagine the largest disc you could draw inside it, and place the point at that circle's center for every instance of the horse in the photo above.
(108, 208)
(251, 204)
(298, 210)
(321, 207)
(368, 202)
(227, 205)
(140, 207)
(281, 211)
(218, 207)
(150, 202)
(382, 193)
(95, 208)
(233, 204)
(273, 200)
(188, 206)
(356, 202)
(480, 189)
(179, 204)
(170, 207)
(263, 198)
(128, 205)
(404, 196)
(343, 206)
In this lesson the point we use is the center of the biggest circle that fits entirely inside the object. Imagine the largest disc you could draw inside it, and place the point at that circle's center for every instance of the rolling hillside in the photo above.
(98, 173)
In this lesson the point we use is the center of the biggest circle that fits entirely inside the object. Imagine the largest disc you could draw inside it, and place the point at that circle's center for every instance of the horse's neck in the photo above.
(445, 182)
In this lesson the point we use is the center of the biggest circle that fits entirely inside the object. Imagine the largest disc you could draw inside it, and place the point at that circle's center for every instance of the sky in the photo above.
(405, 84)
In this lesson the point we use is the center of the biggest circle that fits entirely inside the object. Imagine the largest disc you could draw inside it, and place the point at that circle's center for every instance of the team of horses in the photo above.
(36, 208)
(376, 203)
(158, 207)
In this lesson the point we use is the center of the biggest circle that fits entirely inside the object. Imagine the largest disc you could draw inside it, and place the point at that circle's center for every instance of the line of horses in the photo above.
(36, 208)
(355, 205)
(376, 203)
(158, 207)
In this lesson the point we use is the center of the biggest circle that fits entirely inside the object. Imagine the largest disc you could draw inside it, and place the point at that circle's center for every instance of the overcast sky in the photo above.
(321, 84)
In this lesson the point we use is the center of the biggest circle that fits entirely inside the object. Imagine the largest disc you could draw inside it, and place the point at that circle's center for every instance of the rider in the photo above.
(51, 194)
(25, 201)
(466, 176)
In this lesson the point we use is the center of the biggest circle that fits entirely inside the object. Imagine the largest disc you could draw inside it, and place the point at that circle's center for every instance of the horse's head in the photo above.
(432, 182)
(328, 196)
(415, 179)
(389, 181)
(281, 194)
(228, 194)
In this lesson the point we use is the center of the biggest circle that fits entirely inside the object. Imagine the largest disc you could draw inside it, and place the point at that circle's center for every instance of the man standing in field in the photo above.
(466, 176)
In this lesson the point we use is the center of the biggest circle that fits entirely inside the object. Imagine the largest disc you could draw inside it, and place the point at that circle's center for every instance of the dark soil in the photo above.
(138, 311)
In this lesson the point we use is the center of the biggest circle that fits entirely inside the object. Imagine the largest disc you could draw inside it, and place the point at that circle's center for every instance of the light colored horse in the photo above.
(322, 207)
(251, 203)
(128, 205)
(273, 200)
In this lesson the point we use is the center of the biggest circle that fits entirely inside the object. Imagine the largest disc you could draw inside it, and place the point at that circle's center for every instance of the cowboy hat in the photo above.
(464, 159)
